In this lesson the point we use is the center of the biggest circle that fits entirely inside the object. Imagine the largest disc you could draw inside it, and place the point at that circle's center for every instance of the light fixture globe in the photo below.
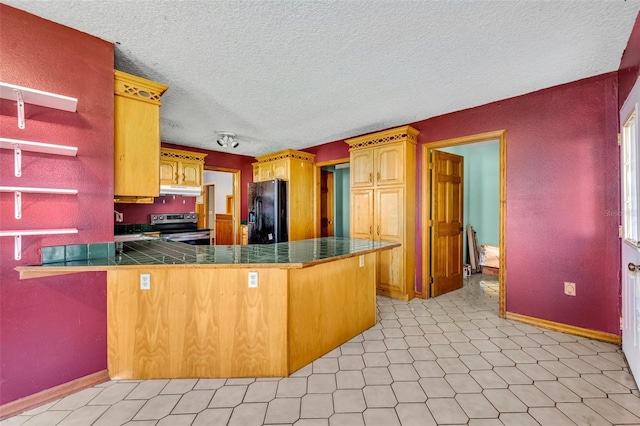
(227, 139)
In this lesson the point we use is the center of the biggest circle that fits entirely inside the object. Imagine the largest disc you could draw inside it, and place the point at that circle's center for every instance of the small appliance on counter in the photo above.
(181, 227)
(267, 221)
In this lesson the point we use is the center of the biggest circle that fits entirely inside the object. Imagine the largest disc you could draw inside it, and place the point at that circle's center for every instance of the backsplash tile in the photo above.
(77, 252)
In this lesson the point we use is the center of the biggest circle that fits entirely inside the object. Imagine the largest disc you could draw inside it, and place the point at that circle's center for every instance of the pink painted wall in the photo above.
(630, 64)
(139, 213)
(329, 151)
(53, 330)
(562, 197)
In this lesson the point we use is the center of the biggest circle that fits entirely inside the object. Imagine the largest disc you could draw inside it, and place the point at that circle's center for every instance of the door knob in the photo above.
(633, 267)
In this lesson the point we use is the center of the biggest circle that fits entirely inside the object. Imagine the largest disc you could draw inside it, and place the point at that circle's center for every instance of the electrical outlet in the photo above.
(253, 280)
(569, 288)
(361, 260)
(145, 281)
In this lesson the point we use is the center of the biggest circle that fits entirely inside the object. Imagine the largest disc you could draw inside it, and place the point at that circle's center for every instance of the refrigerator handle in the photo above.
(258, 214)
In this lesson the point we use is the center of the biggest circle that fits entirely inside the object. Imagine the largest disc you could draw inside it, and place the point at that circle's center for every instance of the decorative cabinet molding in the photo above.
(27, 95)
(137, 137)
(383, 188)
(181, 168)
(296, 167)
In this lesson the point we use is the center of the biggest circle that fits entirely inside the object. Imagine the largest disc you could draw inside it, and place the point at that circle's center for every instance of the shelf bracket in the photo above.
(18, 247)
(20, 108)
(17, 160)
(17, 201)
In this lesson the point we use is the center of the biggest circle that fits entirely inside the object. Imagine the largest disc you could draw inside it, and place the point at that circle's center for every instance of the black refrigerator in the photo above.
(267, 219)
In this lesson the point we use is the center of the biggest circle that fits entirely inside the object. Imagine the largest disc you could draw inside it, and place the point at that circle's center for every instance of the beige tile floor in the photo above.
(444, 361)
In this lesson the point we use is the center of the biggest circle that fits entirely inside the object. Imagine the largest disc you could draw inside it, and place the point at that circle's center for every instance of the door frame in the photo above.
(235, 183)
(316, 185)
(501, 135)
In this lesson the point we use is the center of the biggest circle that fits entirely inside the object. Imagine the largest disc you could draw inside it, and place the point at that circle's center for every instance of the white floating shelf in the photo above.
(18, 190)
(46, 148)
(38, 97)
(17, 235)
(38, 190)
(19, 232)
(19, 145)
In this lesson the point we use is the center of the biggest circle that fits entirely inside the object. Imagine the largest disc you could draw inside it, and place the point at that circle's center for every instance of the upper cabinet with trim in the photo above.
(181, 168)
(137, 137)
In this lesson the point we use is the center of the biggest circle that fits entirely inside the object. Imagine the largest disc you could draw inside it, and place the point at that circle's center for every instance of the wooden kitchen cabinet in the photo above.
(182, 168)
(377, 166)
(136, 137)
(383, 191)
(297, 168)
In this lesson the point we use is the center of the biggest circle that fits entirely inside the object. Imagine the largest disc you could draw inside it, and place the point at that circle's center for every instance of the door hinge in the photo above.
(430, 166)
(621, 323)
(430, 224)
(620, 231)
(619, 139)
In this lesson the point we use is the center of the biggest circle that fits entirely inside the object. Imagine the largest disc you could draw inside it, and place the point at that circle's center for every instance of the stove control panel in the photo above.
(160, 218)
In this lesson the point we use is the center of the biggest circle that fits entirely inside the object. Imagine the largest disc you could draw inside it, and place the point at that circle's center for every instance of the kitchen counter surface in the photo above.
(159, 252)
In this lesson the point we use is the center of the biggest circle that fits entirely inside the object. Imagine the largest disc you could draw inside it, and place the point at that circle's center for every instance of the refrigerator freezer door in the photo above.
(267, 218)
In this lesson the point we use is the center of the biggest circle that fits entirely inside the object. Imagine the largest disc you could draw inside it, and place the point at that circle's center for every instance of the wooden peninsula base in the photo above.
(206, 322)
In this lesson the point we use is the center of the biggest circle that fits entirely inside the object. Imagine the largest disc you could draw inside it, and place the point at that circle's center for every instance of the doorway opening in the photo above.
(219, 206)
(333, 198)
(427, 252)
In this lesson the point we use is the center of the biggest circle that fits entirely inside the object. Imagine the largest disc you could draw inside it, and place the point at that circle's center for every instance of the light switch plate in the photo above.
(253, 280)
(145, 281)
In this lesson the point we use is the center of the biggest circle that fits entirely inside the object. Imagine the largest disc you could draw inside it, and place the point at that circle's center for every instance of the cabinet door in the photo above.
(169, 172)
(389, 227)
(389, 163)
(190, 174)
(361, 168)
(361, 225)
(136, 148)
(280, 169)
(389, 214)
(265, 172)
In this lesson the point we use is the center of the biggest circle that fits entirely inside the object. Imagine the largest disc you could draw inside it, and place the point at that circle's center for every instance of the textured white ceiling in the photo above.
(295, 74)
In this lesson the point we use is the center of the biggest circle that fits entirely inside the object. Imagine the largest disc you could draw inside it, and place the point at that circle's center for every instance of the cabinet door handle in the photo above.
(378, 229)
(370, 230)
(378, 176)
(370, 176)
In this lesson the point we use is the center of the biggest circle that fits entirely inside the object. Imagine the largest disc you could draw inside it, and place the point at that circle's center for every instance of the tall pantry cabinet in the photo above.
(383, 192)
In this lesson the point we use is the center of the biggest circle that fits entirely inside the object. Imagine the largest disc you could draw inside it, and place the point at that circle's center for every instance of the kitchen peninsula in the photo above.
(230, 311)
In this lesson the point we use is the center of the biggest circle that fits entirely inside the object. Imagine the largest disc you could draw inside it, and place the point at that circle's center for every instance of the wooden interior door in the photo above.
(326, 204)
(446, 222)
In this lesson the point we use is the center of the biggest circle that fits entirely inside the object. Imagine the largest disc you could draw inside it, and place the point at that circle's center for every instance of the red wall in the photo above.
(139, 213)
(53, 330)
(329, 151)
(562, 197)
(630, 64)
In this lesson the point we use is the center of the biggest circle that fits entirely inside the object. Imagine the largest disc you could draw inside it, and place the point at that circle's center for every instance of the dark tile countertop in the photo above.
(291, 254)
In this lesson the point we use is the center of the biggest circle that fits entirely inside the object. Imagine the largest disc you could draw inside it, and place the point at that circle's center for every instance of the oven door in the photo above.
(194, 238)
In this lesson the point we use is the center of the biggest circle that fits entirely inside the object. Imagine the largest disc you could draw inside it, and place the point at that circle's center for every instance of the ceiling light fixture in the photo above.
(227, 139)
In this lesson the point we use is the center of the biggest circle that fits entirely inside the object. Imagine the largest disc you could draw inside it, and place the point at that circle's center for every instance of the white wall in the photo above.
(224, 186)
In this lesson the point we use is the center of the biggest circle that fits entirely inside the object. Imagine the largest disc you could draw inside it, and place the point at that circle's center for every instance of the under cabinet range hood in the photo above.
(189, 191)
